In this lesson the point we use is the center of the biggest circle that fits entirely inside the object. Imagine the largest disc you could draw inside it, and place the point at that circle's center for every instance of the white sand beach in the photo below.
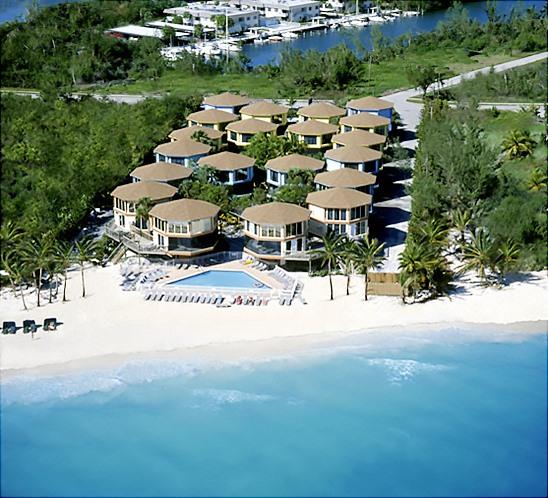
(110, 322)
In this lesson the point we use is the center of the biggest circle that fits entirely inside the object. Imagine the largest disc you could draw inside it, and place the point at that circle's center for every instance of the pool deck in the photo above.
(262, 276)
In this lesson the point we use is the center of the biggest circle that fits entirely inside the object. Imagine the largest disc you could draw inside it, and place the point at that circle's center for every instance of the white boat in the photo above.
(275, 38)
(231, 47)
(259, 40)
(376, 19)
(289, 34)
(359, 23)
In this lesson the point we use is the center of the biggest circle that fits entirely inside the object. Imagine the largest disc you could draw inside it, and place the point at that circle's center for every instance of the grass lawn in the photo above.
(387, 76)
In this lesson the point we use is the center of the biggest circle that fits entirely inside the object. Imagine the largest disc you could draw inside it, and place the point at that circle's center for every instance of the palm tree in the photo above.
(433, 232)
(10, 234)
(479, 255)
(346, 260)
(16, 274)
(368, 255)
(506, 258)
(418, 265)
(201, 136)
(64, 253)
(537, 181)
(84, 253)
(518, 144)
(329, 254)
(460, 219)
(38, 253)
(142, 210)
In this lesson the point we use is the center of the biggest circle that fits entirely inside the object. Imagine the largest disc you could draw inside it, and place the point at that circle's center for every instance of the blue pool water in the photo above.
(447, 415)
(221, 278)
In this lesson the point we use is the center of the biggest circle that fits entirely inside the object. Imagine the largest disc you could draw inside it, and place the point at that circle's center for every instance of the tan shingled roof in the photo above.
(359, 137)
(353, 154)
(135, 191)
(161, 171)
(212, 116)
(252, 126)
(187, 132)
(321, 110)
(345, 178)
(312, 127)
(227, 161)
(276, 213)
(370, 103)
(263, 109)
(226, 99)
(364, 120)
(294, 161)
(338, 198)
(182, 148)
(184, 210)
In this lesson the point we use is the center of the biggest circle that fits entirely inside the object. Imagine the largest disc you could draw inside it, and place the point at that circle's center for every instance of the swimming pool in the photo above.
(233, 279)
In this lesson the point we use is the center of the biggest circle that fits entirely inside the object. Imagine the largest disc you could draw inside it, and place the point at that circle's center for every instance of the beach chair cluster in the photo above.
(259, 265)
(186, 266)
(29, 326)
(216, 299)
(134, 278)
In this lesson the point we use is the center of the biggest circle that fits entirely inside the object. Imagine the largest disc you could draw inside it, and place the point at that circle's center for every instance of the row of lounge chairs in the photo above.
(217, 300)
(259, 265)
(29, 326)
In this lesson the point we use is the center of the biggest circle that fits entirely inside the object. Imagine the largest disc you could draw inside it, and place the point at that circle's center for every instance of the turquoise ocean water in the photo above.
(451, 413)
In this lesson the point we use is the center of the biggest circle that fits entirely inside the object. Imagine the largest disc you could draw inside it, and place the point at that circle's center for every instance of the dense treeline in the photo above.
(59, 157)
(65, 44)
(492, 197)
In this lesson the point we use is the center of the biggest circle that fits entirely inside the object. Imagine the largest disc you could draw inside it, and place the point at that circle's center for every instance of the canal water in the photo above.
(324, 40)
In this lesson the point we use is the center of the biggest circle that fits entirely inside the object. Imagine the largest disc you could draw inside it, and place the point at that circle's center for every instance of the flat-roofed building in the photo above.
(346, 178)
(185, 227)
(288, 10)
(230, 168)
(277, 170)
(275, 231)
(187, 133)
(314, 134)
(354, 157)
(183, 152)
(241, 132)
(321, 111)
(125, 198)
(211, 118)
(226, 101)
(371, 105)
(360, 138)
(161, 172)
(265, 111)
(207, 13)
(342, 211)
(365, 121)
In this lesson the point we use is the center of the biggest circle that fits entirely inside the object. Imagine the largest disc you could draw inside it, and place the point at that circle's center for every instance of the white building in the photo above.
(288, 10)
(206, 14)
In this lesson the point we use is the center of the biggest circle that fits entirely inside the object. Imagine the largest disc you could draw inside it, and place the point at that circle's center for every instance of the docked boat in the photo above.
(376, 19)
(289, 35)
(275, 38)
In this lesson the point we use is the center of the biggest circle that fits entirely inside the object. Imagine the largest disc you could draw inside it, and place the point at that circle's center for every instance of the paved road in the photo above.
(410, 111)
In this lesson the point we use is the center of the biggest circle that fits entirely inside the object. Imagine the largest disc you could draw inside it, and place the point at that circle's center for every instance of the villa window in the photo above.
(293, 229)
(357, 212)
(178, 160)
(208, 125)
(246, 137)
(131, 207)
(274, 176)
(336, 229)
(233, 136)
(270, 231)
(241, 175)
(334, 214)
(347, 128)
(351, 166)
(311, 140)
(161, 158)
(199, 226)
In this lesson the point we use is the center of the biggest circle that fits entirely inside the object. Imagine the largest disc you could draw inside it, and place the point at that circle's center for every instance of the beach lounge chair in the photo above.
(9, 328)
(178, 298)
(202, 299)
(29, 326)
(50, 324)
(148, 295)
(161, 297)
(257, 301)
